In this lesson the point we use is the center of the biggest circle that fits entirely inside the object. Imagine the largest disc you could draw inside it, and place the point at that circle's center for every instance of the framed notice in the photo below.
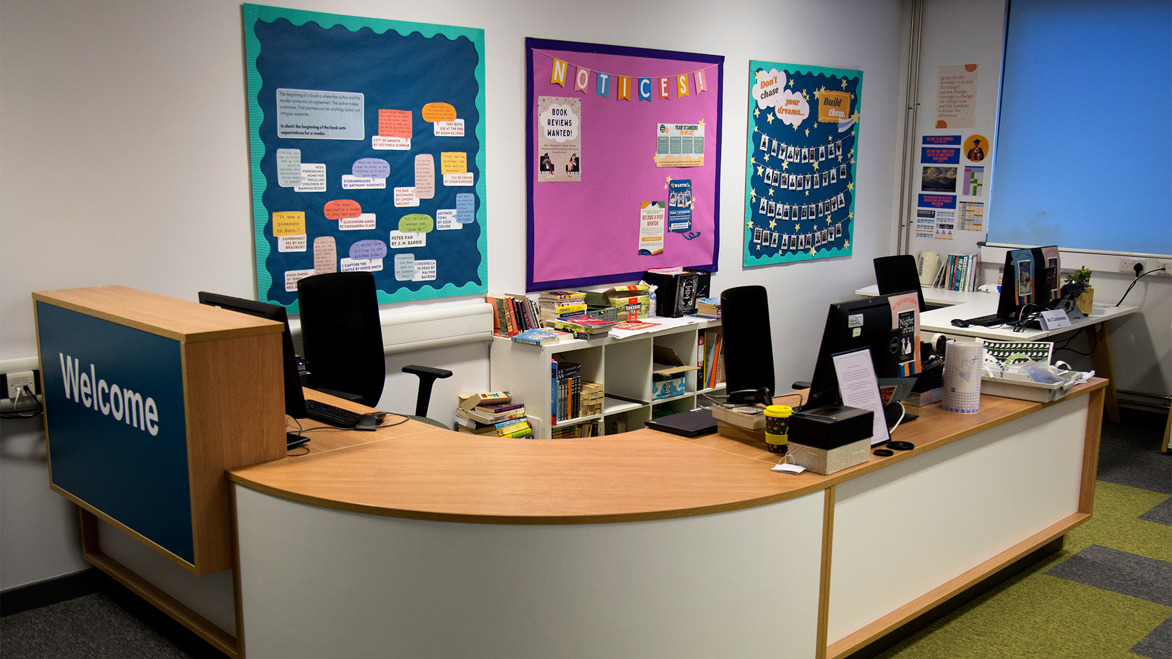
(623, 169)
(800, 166)
(367, 140)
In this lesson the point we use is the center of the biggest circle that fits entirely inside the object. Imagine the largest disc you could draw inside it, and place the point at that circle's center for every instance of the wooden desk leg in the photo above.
(1103, 369)
(1167, 429)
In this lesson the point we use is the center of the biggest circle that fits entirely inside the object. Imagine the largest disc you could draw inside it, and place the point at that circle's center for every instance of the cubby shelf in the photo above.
(623, 366)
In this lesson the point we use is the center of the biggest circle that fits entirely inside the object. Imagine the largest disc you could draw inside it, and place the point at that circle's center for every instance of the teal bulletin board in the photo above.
(367, 143)
(800, 165)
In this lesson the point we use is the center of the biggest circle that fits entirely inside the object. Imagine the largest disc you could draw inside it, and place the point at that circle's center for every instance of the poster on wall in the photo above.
(367, 145)
(800, 167)
(623, 165)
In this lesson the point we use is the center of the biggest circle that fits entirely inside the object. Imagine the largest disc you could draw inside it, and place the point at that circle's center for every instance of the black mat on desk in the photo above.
(688, 424)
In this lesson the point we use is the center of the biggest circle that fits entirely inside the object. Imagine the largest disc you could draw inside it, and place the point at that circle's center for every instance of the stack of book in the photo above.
(577, 430)
(740, 421)
(591, 403)
(519, 428)
(538, 337)
(512, 314)
(708, 307)
(489, 419)
(556, 305)
(583, 327)
(565, 391)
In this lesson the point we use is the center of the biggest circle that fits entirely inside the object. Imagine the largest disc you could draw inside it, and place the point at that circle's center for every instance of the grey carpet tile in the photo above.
(1161, 513)
(1158, 644)
(1129, 452)
(90, 627)
(1120, 572)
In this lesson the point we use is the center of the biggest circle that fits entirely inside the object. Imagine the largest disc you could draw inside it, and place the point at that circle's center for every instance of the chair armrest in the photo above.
(427, 377)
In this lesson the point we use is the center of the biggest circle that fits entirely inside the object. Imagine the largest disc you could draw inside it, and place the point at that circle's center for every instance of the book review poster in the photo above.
(802, 151)
(367, 146)
(623, 164)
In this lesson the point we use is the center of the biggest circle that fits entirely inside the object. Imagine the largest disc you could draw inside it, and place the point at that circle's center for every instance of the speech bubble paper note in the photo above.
(371, 168)
(404, 267)
(340, 208)
(325, 254)
(288, 223)
(416, 223)
(395, 123)
(424, 176)
(453, 162)
(465, 208)
(288, 167)
(368, 249)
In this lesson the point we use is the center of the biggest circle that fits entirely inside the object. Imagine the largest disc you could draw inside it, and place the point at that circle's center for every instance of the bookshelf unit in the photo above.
(622, 366)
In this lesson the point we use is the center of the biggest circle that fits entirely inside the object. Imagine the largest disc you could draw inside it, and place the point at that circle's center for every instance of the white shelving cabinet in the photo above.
(622, 366)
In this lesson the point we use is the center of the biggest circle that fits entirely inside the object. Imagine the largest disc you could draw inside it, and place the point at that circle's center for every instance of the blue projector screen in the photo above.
(1084, 137)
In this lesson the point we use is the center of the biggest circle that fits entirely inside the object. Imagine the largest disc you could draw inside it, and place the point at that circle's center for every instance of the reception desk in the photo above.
(417, 541)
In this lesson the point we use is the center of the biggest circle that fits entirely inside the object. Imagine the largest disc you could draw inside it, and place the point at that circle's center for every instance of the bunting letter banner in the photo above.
(664, 88)
(581, 79)
(644, 89)
(559, 72)
(682, 85)
(602, 87)
(624, 91)
(701, 83)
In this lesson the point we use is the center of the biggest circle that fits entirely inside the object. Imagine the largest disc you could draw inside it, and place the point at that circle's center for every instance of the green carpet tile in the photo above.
(1035, 614)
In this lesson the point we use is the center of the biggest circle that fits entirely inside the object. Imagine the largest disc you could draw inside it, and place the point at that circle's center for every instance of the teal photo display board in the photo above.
(367, 143)
(800, 163)
(116, 422)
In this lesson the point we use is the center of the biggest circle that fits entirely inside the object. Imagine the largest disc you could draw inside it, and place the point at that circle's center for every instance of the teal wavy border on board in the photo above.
(253, 13)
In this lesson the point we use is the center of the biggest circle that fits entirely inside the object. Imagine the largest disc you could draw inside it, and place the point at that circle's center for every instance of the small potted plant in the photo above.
(1078, 286)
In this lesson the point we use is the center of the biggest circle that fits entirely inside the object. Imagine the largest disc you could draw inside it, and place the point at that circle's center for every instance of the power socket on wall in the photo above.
(16, 382)
(1127, 265)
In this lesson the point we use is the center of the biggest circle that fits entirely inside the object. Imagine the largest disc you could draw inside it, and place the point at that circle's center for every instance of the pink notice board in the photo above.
(623, 168)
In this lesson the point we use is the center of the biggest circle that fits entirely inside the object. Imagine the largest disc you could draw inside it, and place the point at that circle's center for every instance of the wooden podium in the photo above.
(148, 401)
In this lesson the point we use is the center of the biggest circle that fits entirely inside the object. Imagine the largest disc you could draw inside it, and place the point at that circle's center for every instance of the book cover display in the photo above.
(367, 145)
(800, 167)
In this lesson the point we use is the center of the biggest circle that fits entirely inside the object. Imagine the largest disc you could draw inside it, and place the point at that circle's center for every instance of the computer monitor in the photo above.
(869, 323)
(1030, 282)
(294, 396)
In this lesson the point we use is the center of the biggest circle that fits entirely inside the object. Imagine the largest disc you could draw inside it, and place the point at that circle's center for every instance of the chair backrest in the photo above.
(747, 341)
(341, 335)
(899, 274)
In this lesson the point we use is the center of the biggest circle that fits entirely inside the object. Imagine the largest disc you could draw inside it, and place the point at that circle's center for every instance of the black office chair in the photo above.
(748, 344)
(342, 341)
(899, 274)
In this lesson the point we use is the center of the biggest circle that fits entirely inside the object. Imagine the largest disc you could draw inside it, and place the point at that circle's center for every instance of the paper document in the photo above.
(860, 388)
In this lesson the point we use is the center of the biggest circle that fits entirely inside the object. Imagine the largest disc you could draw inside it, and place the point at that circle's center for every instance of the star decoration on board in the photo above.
(846, 243)
(815, 165)
(753, 196)
(770, 192)
(701, 123)
(850, 186)
(760, 170)
(790, 83)
(844, 84)
(769, 119)
(813, 252)
(807, 132)
(756, 112)
(772, 224)
(665, 185)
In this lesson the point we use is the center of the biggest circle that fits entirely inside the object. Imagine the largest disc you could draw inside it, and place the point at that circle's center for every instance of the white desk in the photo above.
(958, 304)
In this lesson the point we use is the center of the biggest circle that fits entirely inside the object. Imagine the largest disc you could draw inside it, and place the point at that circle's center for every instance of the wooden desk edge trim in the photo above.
(860, 638)
(530, 520)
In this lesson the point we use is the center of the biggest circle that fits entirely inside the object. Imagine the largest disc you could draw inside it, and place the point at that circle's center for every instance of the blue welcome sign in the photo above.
(116, 424)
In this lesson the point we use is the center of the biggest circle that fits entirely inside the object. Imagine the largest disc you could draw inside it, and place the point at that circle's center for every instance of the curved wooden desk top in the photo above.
(418, 471)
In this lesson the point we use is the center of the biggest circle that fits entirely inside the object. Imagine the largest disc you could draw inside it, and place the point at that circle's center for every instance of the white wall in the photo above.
(124, 160)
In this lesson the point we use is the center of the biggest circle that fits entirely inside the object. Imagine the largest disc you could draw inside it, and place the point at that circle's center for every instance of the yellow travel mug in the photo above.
(777, 427)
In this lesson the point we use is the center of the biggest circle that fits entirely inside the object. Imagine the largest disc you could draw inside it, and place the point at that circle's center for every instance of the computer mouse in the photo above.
(901, 446)
(367, 422)
(959, 322)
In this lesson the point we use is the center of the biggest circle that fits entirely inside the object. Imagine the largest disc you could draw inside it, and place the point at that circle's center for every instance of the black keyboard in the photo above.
(986, 321)
(335, 416)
